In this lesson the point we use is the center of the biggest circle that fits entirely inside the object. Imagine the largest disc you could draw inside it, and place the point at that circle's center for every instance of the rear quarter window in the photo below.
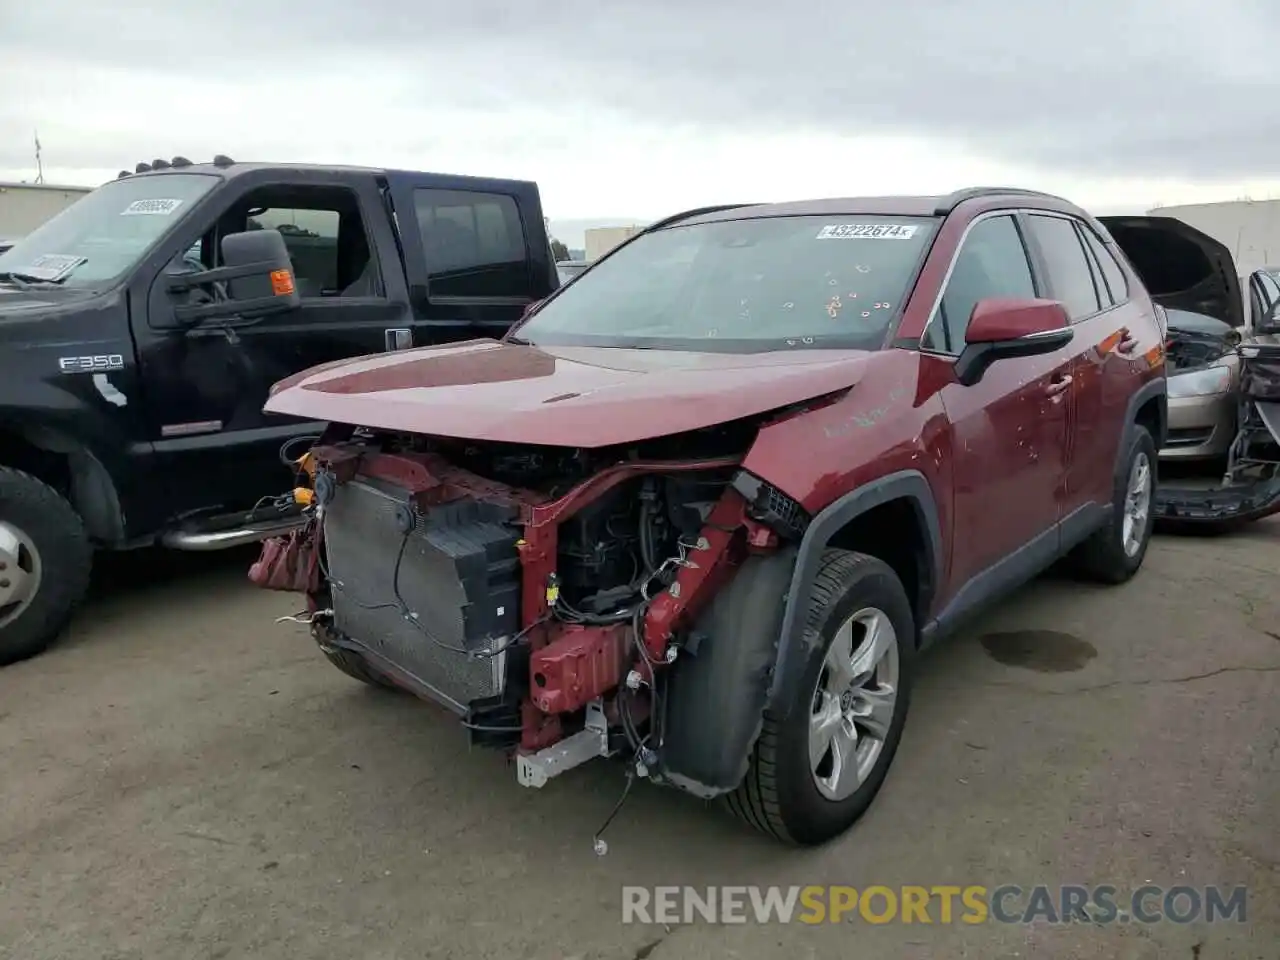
(474, 244)
(1117, 283)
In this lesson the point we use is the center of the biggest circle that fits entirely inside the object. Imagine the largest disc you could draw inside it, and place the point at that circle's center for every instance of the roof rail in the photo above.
(696, 212)
(954, 199)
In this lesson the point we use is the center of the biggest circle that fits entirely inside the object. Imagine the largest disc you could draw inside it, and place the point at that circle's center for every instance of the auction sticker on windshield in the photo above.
(866, 231)
(151, 208)
(51, 266)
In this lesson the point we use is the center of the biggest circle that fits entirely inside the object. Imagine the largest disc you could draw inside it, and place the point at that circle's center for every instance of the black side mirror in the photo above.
(257, 279)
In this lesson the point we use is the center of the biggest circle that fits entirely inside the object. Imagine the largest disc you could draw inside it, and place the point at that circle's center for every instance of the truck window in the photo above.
(311, 237)
(474, 244)
(324, 233)
(99, 238)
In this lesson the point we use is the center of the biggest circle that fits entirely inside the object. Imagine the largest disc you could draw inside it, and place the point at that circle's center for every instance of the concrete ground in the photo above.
(183, 778)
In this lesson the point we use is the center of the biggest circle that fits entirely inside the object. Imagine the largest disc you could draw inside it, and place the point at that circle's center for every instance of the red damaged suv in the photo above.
(703, 507)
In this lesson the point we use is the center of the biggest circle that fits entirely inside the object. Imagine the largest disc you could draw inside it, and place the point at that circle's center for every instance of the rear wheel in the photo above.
(815, 771)
(1115, 553)
(45, 562)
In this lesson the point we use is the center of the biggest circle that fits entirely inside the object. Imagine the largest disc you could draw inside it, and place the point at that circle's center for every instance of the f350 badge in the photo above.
(103, 363)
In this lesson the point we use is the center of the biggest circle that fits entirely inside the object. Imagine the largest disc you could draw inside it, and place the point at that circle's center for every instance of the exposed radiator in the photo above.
(459, 573)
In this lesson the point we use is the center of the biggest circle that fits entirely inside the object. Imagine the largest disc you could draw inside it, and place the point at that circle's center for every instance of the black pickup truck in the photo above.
(141, 329)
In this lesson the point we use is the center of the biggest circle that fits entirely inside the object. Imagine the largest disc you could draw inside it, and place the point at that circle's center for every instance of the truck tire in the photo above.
(814, 772)
(45, 562)
(1114, 553)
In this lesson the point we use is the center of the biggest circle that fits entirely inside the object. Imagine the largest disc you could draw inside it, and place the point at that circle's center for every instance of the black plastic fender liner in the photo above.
(716, 693)
(92, 491)
(909, 485)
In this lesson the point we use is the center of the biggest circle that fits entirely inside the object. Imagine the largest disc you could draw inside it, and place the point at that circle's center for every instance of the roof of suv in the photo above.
(901, 206)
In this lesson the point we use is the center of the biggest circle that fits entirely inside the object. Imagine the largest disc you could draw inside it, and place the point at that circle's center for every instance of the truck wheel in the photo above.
(1114, 553)
(45, 561)
(815, 772)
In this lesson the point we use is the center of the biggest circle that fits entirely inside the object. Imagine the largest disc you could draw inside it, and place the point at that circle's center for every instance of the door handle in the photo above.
(1059, 385)
(398, 338)
(1128, 342)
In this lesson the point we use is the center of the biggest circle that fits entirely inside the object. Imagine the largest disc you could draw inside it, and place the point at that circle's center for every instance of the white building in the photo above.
(25, 206)
(1250, 229)
(600, 240)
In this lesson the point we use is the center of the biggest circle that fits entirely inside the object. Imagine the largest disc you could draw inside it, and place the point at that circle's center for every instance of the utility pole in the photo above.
(39, 162)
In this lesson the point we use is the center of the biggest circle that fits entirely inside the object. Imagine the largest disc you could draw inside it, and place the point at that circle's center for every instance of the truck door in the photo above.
(206, 386)
(476, 252)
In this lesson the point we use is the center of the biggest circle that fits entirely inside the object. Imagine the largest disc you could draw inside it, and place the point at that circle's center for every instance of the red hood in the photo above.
(566, 396)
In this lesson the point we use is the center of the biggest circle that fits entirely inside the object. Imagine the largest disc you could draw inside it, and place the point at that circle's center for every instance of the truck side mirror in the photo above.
(256, 280)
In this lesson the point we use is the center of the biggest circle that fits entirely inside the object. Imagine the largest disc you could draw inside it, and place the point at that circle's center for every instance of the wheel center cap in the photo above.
(846, 700)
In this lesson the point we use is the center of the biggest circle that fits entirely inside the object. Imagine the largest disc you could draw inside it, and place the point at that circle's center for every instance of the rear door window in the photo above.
(1071, 279)
(474, 244)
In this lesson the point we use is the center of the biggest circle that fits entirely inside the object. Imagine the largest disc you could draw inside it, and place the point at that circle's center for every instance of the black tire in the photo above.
(65, 559)
(778, 796)
(1103, 558)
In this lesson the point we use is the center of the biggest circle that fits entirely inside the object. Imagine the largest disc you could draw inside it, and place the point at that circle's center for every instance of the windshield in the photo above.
(743, 286)
(101, 236)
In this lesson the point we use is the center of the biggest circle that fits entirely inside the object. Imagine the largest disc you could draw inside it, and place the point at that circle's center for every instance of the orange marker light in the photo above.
(281, 283)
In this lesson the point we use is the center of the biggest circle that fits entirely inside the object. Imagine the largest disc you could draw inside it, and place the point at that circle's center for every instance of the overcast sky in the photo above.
(633, 109)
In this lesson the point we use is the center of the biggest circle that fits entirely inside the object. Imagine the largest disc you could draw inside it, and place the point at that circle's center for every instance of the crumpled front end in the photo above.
(541, 594)
(1250, 488)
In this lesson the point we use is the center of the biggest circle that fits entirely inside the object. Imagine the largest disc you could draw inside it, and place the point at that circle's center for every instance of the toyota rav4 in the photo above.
(704, 507)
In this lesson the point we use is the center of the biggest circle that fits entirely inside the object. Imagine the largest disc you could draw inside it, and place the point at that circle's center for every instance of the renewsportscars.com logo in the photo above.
(974, 904)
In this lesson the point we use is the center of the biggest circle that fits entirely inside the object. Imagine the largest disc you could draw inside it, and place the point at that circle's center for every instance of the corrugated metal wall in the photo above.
(600, 240)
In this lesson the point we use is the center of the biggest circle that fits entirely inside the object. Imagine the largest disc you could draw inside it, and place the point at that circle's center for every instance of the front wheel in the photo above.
(45, 562)
(815, 771)
(1114, 553)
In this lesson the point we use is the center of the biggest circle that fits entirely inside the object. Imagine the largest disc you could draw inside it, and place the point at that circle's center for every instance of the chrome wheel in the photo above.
(19, 572)
(1137, 504)
(853, 704)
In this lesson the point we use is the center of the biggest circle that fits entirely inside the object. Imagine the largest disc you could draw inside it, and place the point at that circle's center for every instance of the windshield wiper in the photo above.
(26, 281)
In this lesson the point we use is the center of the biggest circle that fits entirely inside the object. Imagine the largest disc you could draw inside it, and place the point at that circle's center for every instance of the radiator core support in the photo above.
(426, 593)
